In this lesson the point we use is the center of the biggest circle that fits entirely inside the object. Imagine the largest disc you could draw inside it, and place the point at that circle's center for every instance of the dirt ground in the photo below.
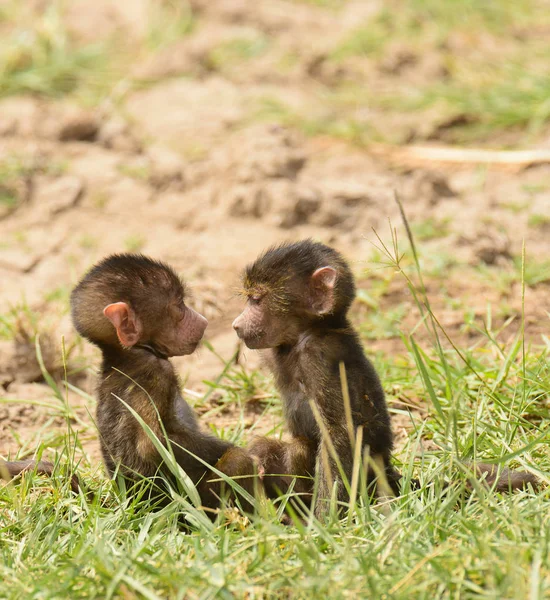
(184, 170)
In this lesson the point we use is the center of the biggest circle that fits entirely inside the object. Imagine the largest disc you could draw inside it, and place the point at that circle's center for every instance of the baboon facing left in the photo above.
(298, 296)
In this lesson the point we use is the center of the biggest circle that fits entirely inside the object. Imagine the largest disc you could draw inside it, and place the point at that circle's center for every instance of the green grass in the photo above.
(496, 76)
(331, 117)
(13, 168)
(426, 544)
(433, 21)
(15, 172)
(495, 63)
(235, 51)
(495, 98)
(135, 243)
(485, 401)
(540, 221)
(38, 55)
(140, 172)
(169, 22)
(536, 272)
(431, 229)
(8, 199)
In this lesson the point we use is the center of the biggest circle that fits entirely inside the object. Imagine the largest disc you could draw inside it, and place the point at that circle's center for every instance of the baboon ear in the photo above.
(322, 284)
(127, 325)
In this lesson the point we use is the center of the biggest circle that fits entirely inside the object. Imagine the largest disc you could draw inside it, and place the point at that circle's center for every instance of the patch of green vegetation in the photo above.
(237, 50)
(99, 199)
(490, 94)
(438, 264)
(288, 60)
(88, 242)
(468, 14)
(38, 56)
(169, 21)
(135, 243)
(6, 327)
(140, 172)
(536, 272)
(368, 39)
(55, 167)
(537, 220)
(15, 173)
(20, 237)
(501, 279)
(431, 228)
(327, 122)
(273, 108)
(14, 167)
(383, 324)
(515, 207)
(18, 313)
(432, 21)
(8, 199)
(60, 295)
(500, 97)
(534, 188)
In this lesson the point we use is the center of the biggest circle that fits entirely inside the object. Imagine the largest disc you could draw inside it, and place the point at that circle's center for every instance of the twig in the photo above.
(508, 158)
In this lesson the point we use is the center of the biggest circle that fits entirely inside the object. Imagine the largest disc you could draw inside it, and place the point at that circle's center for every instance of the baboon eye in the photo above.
(255, 299)
(179, 311)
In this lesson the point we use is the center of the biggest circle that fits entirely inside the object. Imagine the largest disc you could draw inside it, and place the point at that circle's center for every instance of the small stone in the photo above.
(428, 186)
(349, 193)
(397, 59)
(166, 169)
(492, 249)
(59, 195)
(302, 206)
(115, 135)
(247, 201)
(80, 126)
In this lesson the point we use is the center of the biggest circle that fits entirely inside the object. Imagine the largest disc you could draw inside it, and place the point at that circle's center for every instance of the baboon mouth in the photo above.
(254, 342)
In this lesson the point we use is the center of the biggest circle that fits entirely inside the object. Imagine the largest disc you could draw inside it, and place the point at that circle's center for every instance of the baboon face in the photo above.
(133, 300)
(177, 331)
(286, 294)
(181, 332)
(261, 326)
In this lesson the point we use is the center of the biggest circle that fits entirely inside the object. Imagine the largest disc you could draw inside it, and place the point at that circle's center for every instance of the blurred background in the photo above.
(201, 132)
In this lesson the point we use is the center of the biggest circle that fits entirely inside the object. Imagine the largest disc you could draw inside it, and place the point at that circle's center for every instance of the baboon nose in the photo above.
(237, 325)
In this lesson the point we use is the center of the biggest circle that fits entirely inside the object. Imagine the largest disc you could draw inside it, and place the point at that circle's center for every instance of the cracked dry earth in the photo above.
(182, 174)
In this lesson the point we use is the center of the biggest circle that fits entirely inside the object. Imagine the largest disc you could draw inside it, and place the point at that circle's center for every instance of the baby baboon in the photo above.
(133, 308)
(298, 298)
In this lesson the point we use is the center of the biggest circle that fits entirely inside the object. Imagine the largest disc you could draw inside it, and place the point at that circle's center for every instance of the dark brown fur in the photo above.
(298, 298)
(133, 309)
(299, 295)
(141, 375)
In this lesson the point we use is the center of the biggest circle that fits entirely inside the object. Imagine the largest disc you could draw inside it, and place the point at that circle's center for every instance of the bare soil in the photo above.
(181, 170)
